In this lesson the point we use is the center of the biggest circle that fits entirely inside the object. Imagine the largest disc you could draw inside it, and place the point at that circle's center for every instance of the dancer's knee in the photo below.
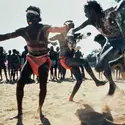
(86, 62)
(107, 72)
(43, 73)
(99, 67)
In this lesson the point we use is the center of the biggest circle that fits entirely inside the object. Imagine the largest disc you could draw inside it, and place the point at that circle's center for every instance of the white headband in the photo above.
(33, 12)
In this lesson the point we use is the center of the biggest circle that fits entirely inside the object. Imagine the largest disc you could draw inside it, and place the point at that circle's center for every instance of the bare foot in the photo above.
(71, 98)
(45, 121)
(101, 83)
(19, 116)
(41, 117)
(112, 89)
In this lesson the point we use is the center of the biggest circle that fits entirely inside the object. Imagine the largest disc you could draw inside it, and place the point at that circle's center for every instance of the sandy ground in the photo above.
(86, 109)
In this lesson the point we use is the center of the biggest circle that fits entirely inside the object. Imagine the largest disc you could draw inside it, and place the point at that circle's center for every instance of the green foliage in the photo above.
(92, 57)
(117, 0)
(121, 19)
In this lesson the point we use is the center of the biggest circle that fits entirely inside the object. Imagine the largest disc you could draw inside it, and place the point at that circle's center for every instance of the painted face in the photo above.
(31, 18)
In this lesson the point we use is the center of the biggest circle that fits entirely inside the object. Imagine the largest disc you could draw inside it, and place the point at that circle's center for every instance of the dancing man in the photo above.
(67, 51)
(37, 60)
(105, 22)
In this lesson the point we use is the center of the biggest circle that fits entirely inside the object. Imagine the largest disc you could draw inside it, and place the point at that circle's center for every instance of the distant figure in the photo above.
(2, 64)
(9, 63)
(53, 69)
(15, 62)
(19, 65)
(117, 73)
(24, 53)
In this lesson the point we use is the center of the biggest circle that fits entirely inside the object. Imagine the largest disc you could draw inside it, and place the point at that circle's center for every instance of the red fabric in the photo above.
(36, 62)
(63, 63)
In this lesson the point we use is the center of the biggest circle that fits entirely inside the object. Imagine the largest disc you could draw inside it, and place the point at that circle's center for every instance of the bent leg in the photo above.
(112, 85)
(82, 70)
(104, 66)
(25, 73)
(43, 76)
(76, 72)
(90, 72)
(73, 62)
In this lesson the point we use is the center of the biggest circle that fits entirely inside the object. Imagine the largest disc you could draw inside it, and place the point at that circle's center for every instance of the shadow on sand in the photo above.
(44, 121)
(19, 120)
(88, 116)
(65, 80)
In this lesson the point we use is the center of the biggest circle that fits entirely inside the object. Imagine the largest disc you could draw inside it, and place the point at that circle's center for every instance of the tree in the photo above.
(121, 20)
(117, 0)
(92, 57)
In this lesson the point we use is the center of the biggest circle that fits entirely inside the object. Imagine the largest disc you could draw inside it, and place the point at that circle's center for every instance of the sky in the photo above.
(53, 12)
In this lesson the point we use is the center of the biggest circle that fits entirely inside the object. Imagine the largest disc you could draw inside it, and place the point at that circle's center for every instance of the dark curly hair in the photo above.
(34, 8)
(95, 6)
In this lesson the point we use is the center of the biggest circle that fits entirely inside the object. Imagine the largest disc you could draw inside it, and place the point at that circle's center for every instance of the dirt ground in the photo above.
(91, 104)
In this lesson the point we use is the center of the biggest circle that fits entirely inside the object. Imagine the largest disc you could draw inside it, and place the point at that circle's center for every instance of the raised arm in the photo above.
(120, 5)
(9, 35)
(54, 38)
(58, 29)
(52, 43)
(84, 24)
